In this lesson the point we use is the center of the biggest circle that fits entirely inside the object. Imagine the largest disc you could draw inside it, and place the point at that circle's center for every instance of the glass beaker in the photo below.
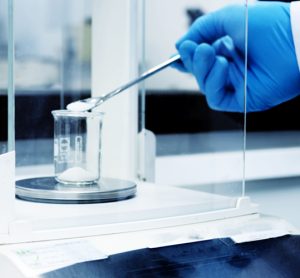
(77, 146)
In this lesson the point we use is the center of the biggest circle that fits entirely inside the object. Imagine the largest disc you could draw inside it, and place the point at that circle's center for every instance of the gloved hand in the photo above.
(213, 50)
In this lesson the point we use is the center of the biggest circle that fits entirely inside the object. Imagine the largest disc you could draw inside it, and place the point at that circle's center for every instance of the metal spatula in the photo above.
(90, 103)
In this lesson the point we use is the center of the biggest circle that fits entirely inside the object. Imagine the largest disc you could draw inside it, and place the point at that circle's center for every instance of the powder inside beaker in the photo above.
(77, 174)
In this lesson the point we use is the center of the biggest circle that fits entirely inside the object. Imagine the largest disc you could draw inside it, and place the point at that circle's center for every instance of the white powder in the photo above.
(79, 106)
(77, 174)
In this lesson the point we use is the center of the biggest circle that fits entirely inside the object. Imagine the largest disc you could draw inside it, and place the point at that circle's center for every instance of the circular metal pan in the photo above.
(48, 190)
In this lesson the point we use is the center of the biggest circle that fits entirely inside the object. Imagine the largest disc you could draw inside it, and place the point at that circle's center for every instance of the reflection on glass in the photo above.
(3, 76)
(53, 68)
(197, 148)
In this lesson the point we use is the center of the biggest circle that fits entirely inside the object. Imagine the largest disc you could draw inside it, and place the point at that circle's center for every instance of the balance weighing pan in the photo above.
(48, 190)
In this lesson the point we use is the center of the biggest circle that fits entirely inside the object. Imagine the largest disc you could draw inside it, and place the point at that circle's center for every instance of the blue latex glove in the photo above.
(213, 50)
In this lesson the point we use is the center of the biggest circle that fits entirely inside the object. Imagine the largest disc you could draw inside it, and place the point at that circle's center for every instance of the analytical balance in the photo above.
(134, 199)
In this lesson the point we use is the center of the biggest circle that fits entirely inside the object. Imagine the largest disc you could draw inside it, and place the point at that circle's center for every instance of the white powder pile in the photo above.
(79, 106)
(77, 174)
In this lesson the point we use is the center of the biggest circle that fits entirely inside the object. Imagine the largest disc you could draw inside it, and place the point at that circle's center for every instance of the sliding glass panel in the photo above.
(198, 147)
(53, 67)
(6, 78)
(273, 134)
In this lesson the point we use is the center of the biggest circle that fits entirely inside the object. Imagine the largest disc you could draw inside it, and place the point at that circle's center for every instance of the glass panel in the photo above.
(6, 78)
(273, 137)
(53, 68)
(3, 76)
(198, 148)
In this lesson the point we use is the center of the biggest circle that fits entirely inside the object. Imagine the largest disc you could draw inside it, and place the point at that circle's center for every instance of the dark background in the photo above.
(166, 112)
